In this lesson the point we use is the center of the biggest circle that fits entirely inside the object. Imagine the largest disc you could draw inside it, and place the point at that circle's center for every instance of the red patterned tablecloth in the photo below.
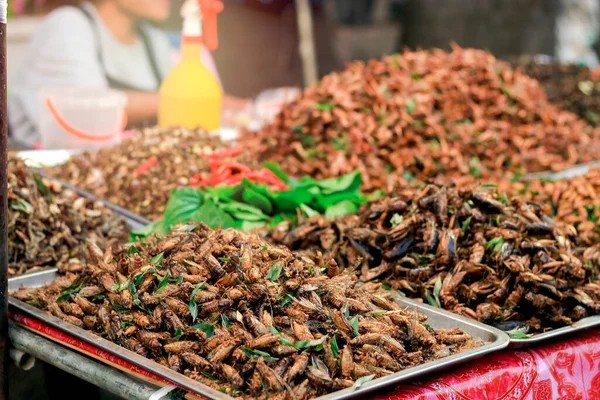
(566, 370)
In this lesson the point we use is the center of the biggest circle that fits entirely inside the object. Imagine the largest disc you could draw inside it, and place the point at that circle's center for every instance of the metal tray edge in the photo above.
(113, 207)
(567, 173)
(25, 279)
(118, 351)
(501, 341)
(480, 325)
(133, 221)
(580, 326)
(433, 367)
(560, 333)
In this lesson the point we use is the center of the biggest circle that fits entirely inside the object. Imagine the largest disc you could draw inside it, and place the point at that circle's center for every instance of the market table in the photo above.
(567, 369)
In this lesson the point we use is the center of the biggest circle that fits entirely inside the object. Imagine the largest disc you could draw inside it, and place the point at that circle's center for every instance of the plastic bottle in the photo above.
(191, 96)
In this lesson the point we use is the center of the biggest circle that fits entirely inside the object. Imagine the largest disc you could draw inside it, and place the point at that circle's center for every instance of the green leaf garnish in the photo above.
(340, 209)
(305, 344)
(178, 333)
(209, 376)
(325, 106)
(257, 353)
(132, 250)
(410, 105)
(157, 259)
(67, 292)
(496, 243)
(396, 219)
(119, 287)
(41, 186)
(139, 278)
(334, 347)
(22, 205)
(206, 328)
(489, 186)
(163, 283)
(432, 300)
(361, 381)
(138, 303)
(282, 338)
(193, 307)
(225, 321)
(126, 323)
(177, 281)
(518, 334)
(436, 291)
(475, 167)
(275, 272)
(276, 169)
(286, 299)
(465, 225)
(309, 212)
(345, 311)
(354, 324)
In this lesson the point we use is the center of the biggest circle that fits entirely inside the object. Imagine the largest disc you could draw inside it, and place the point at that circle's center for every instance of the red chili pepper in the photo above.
(232, 173)
(268, 177)
(146, 165)
(234, 180)
(236, 166)
(253, 176)
(276, 181)
(195, 180)
(212, 181)
(214, 166)
(230, 152)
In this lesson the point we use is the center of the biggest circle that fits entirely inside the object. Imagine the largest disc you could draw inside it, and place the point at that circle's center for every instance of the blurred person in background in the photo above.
(99, 44)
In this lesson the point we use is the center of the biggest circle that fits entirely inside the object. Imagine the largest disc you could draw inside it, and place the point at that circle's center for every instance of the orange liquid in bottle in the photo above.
(190, 96)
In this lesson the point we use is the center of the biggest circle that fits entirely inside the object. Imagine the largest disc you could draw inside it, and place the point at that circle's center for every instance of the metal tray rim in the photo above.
(501, 341)
(119, 351)
(134, 221)
(559, 333)
(84, 193)
(566, 174)
(584, 324)
(32, 275)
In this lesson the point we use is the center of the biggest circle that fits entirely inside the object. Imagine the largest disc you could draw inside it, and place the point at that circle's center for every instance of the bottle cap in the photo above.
(209, 11)
(192, 19)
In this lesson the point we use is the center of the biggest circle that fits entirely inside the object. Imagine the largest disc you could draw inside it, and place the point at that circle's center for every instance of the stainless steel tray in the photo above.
(35, 279)
(438, 319)
(134, 220)
(569, 173)
(581, 325)
(560, 333)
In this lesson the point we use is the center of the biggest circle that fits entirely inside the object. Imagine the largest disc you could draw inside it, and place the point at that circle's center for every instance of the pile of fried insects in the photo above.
(472, 251)
(140, 173)
(49, 225)
(245, 317)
